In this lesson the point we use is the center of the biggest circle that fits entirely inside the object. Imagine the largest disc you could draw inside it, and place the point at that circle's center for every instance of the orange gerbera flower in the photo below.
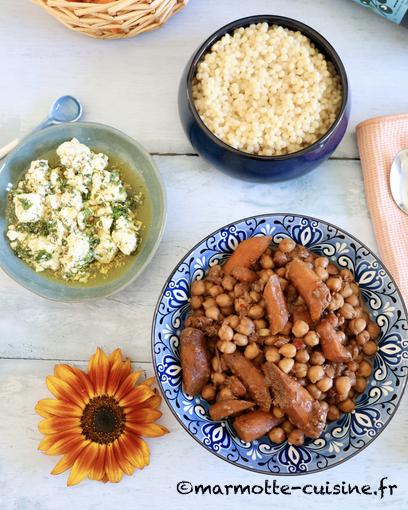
(97, 419)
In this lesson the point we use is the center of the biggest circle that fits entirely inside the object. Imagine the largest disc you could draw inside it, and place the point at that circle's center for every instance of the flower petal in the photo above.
(147, 429)
(97, 471)
(65, 445)
(98, 370)
(63, 391)
(118, 373)
(51, 439)
(58, 424)
(83, 464)
(136, 396)
(127, 385)
(153, 402)
(48, 407)
(131, 451)
(127, 467)
(143, 415)
(68, 460)
(113, 471)
(85, 381)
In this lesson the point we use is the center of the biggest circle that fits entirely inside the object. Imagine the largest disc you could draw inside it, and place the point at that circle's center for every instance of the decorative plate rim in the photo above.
(155, 314)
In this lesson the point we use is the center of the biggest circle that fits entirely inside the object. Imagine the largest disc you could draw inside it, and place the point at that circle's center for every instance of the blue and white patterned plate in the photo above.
(340, 440)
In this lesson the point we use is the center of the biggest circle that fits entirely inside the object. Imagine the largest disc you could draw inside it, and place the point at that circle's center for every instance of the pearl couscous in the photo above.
(267, 90)
(76, 219)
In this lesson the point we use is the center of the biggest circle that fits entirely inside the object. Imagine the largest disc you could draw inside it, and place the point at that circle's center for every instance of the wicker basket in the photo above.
(115, 19)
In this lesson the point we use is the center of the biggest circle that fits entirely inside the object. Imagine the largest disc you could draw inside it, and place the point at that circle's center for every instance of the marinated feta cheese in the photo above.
(77, 219)
(28, 207)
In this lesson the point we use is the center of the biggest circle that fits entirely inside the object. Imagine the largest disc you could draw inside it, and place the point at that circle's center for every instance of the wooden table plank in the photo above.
(132, 84)
(25, 482)
(200, 200)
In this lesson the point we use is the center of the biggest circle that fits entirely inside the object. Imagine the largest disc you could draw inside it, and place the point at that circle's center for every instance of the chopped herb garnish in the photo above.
(26, 204)
(42, 256)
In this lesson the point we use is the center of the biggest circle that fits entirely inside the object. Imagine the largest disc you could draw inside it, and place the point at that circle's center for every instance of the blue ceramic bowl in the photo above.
(104, 139)
(340, 440)
(247, 166)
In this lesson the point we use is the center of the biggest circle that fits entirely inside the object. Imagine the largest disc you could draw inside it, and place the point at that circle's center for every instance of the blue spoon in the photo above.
(64, 109)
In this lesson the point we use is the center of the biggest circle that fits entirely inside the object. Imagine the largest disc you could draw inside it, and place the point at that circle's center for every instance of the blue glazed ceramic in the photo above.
(261, 168)
(340, 440)
(102, 138)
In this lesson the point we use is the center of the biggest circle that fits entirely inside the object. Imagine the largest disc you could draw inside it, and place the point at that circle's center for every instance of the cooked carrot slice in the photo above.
(275, 303)
(314, 292)
(247, 253)
(333, 349)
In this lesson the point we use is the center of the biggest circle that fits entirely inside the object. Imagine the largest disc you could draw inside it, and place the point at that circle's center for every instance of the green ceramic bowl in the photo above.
(104, 139)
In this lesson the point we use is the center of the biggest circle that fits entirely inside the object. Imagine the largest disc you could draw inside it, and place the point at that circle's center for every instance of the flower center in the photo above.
(103, 420)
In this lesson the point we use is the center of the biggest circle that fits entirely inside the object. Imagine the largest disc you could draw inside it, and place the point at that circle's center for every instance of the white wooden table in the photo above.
(132, 85)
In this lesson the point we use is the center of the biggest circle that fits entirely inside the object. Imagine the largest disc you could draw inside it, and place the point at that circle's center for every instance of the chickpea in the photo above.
(363, 337)
(347, 406)
(264, 332)
(277, 435)
(347, 291)
(333, 413)
(208, 286)
(300, 370)
(347, 275)
(364, 370)
(278, 413)
(256, 312)
(213, 312)
(272, 354)
(332, 269)
(322, 273)
(196, 302)
(311, 339)
(302, 356)
(266, 261)
(360, 384)
(334, 284)
(240, 340)
(347, 311)
(373, 330)
(337, 301)
(296, 437)
(356, 326)
(225, 333)
(215, 363)
(225, 394)
(227, 310)
(325, 384)
(255, 296)
(370, 348)
(286, 364)
(343, 386)
(240, 289)
(251, 351)
(321, 262)
(233, 321)
(260, 323)
(218, 378)
(288, 351)
(287, 427)
(269, 340)
(228, 282)
(208, 303)
(246, 326)
(300, 328)
(317, 358)
(287, 245)
(281, 272)
(198, 288)
(216, 290)
(208, 392)
(223, 300)
(315, 373)
(329, 371)
(353, 300)
(227, 347)
(314, 391)
(280, 259)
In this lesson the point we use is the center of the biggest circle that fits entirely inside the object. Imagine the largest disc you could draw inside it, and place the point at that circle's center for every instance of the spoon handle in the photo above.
(9, 147)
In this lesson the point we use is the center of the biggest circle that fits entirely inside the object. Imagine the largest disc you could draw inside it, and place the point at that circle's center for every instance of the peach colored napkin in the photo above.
(379, 141)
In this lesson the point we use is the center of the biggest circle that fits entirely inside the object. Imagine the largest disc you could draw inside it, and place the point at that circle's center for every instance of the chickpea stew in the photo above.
(278, 339)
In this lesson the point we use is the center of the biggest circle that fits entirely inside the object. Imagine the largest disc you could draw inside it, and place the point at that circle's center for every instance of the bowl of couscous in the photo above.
(265, 98)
